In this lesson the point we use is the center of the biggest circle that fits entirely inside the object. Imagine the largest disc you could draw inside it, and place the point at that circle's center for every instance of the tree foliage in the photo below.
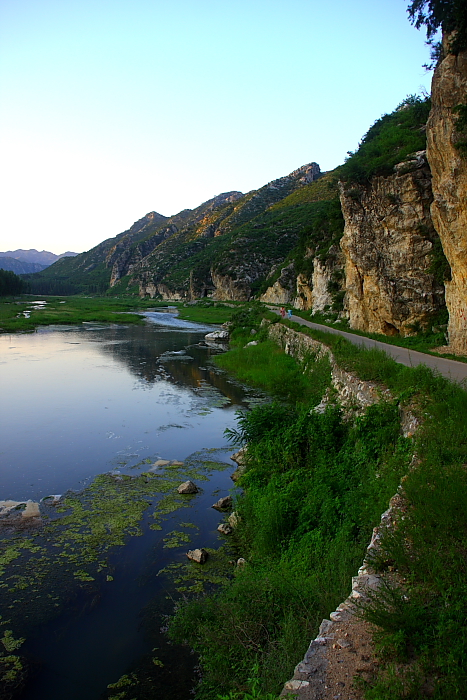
(447, 15)
(10, 283)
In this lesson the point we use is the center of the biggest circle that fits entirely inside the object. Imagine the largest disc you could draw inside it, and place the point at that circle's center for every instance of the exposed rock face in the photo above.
(125, 256)
(317, 294)
(387, 243)
(449, 170)
(283, 290)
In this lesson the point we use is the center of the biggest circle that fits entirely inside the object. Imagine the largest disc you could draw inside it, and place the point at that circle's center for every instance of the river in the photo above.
(79, 402)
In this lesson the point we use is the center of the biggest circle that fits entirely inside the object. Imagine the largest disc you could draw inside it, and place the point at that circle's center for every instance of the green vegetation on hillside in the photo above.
(314, 486)
(317, 214)
(389, 141)
(64, 278)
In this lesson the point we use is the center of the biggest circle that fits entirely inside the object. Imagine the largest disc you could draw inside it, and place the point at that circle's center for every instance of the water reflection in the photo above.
(83, 400)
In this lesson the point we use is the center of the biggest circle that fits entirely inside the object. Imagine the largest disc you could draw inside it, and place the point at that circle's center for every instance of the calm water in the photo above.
(80, 401)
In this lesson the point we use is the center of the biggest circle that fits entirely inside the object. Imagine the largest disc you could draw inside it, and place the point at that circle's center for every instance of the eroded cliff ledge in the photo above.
(449, 170)
(388, 243)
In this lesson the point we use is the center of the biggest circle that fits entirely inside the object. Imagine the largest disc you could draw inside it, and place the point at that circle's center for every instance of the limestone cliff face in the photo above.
(317, 293)
(449, 170)
(387, 243)
(284, 288)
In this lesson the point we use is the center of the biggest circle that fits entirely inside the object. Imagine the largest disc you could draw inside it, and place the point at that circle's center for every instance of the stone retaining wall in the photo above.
(310, 680)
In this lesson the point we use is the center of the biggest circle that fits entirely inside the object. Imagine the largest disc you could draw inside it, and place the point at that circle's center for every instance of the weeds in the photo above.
(311, 497)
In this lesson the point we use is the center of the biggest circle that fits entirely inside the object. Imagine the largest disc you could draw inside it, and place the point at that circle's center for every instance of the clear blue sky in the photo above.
(113, 108)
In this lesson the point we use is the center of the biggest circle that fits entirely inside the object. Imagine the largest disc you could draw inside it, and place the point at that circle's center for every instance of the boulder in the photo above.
(233, 519)
(241, 562)
(200, 556)
(52, 500)
(239, 456)
(225, 529)
(217, 335)
(235, 476)
(223, 503)
(187, 487)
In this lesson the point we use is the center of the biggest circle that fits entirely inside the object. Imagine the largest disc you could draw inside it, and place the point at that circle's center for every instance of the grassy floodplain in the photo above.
(22, 314)
(314, 487)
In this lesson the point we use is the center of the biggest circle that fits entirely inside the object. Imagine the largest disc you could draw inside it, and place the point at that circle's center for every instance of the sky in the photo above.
(110, 109)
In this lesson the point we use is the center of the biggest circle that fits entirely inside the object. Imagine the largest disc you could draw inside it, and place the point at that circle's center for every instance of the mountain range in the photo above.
(379, 242)
(26, 261)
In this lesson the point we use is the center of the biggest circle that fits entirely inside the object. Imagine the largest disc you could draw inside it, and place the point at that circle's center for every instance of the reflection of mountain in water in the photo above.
(199, 372)
(140, 347)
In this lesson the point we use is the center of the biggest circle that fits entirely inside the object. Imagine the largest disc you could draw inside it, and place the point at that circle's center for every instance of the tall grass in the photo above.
(314, 487)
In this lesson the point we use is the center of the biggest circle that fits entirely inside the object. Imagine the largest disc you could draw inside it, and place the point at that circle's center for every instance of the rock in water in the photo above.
(217, 335)
(187, 487)
(225, 529)
(234, 519)
(239, 456)
(200, 556)
(223, 503)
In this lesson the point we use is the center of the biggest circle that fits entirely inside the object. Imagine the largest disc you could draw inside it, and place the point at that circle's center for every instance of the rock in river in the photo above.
(223, 503)
(200, 556)
(217, 335)
(187, 487)
(225, 529)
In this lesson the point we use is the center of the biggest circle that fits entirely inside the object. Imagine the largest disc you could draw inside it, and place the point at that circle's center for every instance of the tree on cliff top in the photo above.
(447, 15)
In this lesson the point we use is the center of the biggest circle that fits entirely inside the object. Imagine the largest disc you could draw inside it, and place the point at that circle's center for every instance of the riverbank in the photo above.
(27, 313)
(316, 484)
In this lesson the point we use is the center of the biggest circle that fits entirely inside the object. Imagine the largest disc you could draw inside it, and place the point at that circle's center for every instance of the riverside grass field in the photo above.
(315, 486)
(77, 309)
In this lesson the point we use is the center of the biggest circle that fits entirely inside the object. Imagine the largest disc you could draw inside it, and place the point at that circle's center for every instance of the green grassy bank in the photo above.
(78, 309)
(315, 486)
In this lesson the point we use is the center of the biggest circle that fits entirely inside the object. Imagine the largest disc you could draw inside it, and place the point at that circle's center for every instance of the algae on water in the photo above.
(38, 570)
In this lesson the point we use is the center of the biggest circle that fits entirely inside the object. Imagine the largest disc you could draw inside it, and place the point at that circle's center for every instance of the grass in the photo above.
(422, 341)
(280, 375)
(77, 309)
(314, 488)
(205, 311)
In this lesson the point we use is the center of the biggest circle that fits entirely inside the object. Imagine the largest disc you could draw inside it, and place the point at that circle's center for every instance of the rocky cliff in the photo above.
(388, 247)
(382, 268)
(449, 169)
(231, 248)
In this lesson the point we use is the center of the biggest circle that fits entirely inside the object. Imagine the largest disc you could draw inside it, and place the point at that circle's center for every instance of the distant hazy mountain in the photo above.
(19, 267)
(43, 257)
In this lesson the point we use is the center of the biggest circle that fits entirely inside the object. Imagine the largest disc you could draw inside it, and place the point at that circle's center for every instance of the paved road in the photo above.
(456, 371)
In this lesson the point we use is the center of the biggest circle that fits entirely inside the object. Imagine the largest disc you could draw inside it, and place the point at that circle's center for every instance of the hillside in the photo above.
(19, 267)
(195, 252)
(40, 257)
(358, 245)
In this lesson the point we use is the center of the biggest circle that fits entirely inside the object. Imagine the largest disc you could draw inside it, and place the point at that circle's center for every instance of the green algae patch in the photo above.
(190, 578)
(40, 571)
(175, 539)
(12, 674)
